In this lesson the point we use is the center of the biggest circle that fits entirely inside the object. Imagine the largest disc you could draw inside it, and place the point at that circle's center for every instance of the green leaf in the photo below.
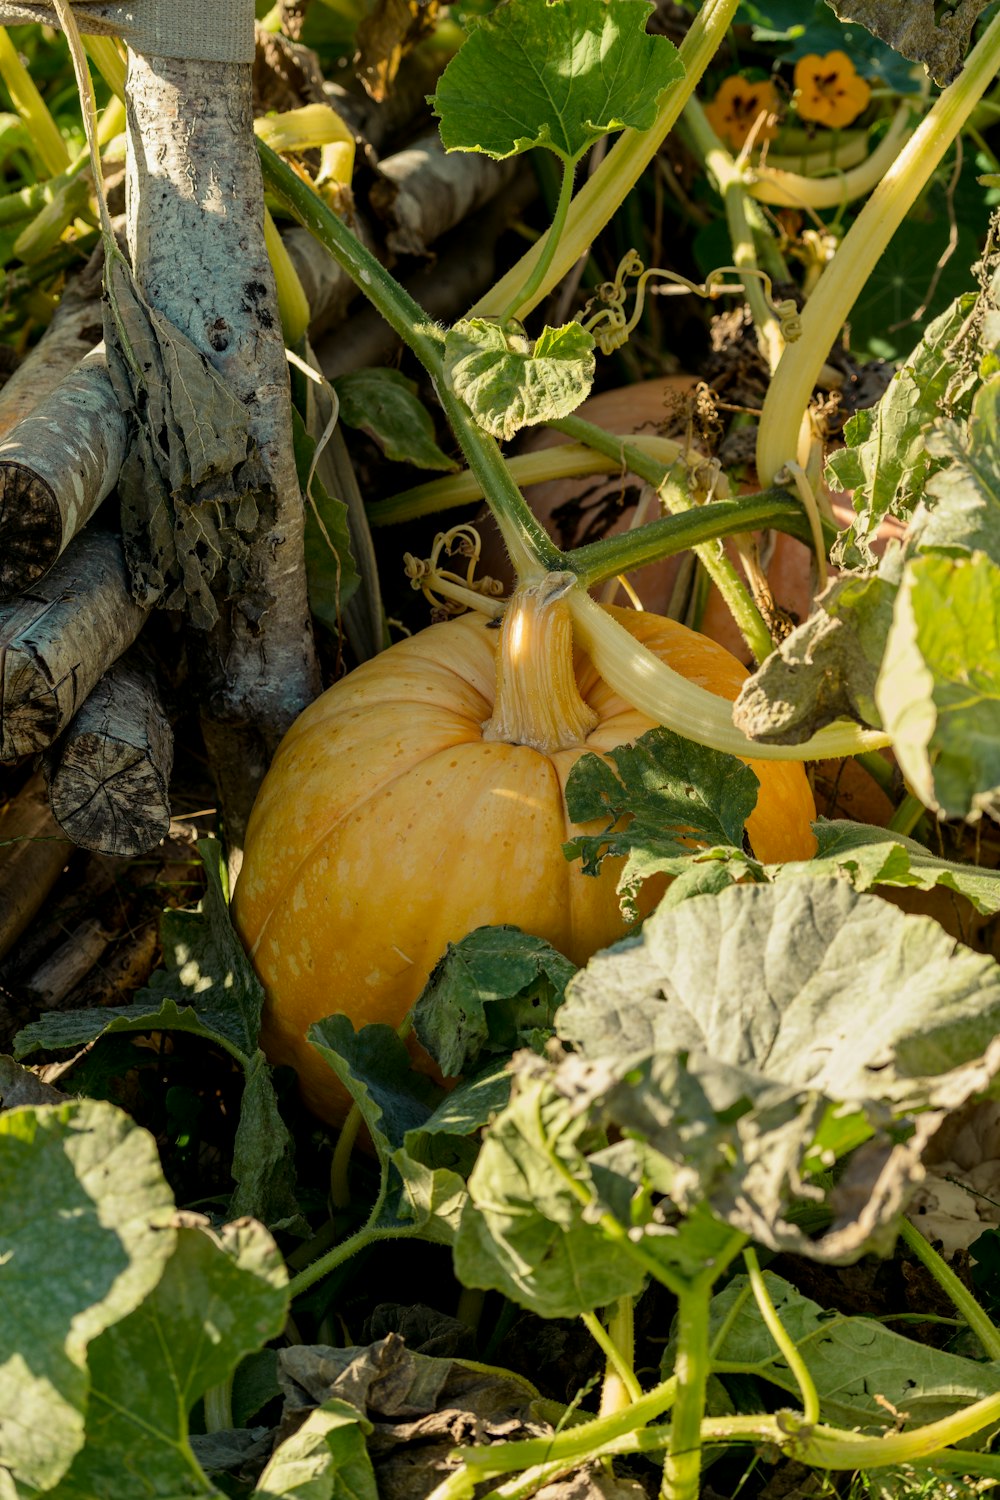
(385, 404)
(827, 669)
(938, 691)
(487, 995)
(872, 857)
(331, 574)
(523, 1231)
(557, 75)
(221, 1296)
(761, 1002)
(664, 799)
(850, 1359)
(263, 1165)
(964, 494)
(84, 1236)
(886, 460)
(508, 382)
(326, 1459)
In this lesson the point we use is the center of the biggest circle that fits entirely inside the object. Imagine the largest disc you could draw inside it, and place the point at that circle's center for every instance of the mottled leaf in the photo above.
(84, 1236)
(508, 382)
(911, 28)
(533, 73)
(963, 496)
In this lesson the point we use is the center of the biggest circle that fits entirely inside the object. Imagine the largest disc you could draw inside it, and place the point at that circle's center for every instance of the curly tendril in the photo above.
(448, 592)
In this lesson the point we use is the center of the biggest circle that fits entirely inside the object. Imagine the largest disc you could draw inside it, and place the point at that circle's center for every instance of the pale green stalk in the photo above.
(784, 433)
(771, 184)
(617, 1342)
(982, 1326)
(787, 1345)
(524, 299)
(620, 170)
(46, 141)
(682, 1466)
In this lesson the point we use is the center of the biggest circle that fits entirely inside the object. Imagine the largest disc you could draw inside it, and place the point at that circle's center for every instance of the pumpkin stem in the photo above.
(538, 702)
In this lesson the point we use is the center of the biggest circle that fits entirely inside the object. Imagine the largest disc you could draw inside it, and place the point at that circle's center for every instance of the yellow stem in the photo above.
(538, 702)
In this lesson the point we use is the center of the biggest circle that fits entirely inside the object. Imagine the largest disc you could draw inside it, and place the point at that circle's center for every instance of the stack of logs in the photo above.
(76, 689)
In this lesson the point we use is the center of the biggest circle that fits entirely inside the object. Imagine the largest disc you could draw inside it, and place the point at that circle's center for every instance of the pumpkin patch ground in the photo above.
(499, 756)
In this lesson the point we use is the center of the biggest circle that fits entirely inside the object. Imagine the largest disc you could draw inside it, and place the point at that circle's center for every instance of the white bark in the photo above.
(195, 232)
(56, 467)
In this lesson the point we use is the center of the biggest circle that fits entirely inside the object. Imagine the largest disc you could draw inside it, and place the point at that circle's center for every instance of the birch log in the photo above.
(110, 773)
(56, 467)
(75, 330)
(57, 642)
(194, 210)
(424, 191)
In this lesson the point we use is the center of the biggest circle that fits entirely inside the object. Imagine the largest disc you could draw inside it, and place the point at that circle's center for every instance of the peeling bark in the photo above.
(109, 775)
(195, 231)
(33, 852)
(424, 191)
(58, 641)
(56, 467)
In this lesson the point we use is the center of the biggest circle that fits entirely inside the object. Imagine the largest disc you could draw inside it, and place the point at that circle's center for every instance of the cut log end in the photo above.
(31, 528)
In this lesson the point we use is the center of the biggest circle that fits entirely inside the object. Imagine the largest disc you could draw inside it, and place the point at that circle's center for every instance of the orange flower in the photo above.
(736, 108)
(828, 89)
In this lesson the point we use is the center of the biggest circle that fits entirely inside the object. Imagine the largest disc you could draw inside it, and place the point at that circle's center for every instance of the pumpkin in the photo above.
(422, 797)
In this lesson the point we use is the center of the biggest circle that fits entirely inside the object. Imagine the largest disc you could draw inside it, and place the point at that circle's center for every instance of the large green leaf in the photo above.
(964, 495)
(85, 1233)
(488, 995)
(561, 75)
(864, 1372)
(509, 382)
(938, 690)
(221, 1296)
(743, 1029)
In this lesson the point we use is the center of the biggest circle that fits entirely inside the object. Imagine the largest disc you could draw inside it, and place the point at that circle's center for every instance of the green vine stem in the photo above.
(617, 1342)
(620, 170)
(731, 180)
(982, 1326)
(682, 1467)
(717, 565)
(783, 423)
(523, 299)
(787, 1345)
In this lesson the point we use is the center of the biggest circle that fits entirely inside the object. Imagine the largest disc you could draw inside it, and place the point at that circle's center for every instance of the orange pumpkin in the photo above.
(415, 801)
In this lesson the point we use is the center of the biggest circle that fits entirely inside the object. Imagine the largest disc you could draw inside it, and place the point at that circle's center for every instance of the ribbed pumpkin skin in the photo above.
(387, 828)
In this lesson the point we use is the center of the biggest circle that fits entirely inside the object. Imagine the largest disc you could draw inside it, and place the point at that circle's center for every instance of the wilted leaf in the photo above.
(385, 404)
(761, 999)
(938, 690)
(911, 27)
(331, 575)
(487, 995)
(508, 382)
(84, 1236)
(221, 1295)
(559, 75)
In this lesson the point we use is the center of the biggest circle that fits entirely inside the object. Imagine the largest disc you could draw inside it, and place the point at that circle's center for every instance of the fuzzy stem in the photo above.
(682, 1469)
(782, 418)
(966, 1304)
(617, 1341)
(523, 298)
(620, 170)
(538, 702)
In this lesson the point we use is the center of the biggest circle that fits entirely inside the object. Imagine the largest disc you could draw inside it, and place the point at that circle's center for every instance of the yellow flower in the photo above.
(736, 108)
(828, 89)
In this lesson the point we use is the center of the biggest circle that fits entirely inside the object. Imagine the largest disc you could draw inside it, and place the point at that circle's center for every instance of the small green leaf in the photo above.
(385, 404)
(221, 1296)
(331, 574)
(487, 995)
(939, 687)
(964, 494)
(886, 460)
(84, 1236)
(508, 382)
(664, 800)
(326, 1459)
(559, 75)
